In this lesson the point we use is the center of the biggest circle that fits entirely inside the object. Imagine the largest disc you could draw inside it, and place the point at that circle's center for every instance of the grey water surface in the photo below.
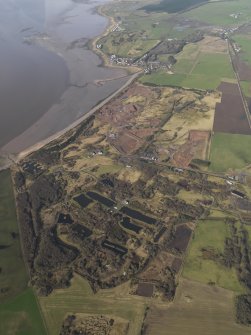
(48, 76)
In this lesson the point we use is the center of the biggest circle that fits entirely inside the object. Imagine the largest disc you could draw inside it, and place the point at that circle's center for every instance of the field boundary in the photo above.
(245, 105)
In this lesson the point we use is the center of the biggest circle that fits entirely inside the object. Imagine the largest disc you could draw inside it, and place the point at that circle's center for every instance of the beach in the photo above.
(90, 81)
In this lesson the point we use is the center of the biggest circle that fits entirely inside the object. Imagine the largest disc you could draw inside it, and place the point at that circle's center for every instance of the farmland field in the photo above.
(230, 150)
(210, 235)
(207, 63)
(246, 88)
(230, 115)
(161, 78)
(198, 73)
(13, 277)
(21, 316)
(19, 313)
(172, 6)
(127, 48)
(79, 298)
(136, 31)
(197, 309)
(244, 42)
(218, 13)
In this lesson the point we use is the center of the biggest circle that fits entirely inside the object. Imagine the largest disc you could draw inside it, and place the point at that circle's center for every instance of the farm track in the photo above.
(194, 64)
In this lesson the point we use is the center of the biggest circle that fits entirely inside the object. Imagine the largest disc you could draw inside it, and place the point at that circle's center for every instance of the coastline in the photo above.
(14, 159)
(93, 41)
(7, 159)
(88, 85)
(102, 55)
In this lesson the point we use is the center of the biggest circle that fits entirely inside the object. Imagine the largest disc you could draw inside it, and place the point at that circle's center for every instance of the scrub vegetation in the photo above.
(146, 202)
(19, 311)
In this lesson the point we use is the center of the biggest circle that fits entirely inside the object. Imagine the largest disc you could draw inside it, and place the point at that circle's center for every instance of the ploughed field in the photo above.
(230, 115)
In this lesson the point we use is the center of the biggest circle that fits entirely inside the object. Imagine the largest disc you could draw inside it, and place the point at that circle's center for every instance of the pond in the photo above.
(126, 223)
(100, 198)
(81, 231)
(82, 200)
(65, 218)
(138, 215)
(114, 247)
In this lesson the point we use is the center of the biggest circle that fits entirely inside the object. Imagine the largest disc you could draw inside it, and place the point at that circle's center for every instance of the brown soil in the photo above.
(212, 44)
(117, 114)
(139, 90)
(121, 115)
(155, 270)
(176, 264)
(127, 143)
(243, 204)
(145, 289)
(144, 132)
(183, 156)
(195, 147)
(230, 116)
(198, 309)
(181, 239)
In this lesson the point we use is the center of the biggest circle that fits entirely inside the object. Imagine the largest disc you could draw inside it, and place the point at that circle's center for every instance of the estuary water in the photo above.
(48, 76)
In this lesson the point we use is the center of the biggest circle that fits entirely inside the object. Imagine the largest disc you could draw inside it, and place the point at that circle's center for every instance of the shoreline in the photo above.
(8, 159)
(72, 104)
(93, 42)
(16, 158)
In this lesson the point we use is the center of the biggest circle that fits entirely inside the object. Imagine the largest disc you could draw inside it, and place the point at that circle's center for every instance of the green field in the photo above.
(208, 63)
(138, 31)
(218, 13)
(246, 88)
(217, 214)
(79, 298)
(230, 151)
(204, 72)
(19, 313)
(172, 6)
(130, 47)
(21, 316)
(244, 42)
(13, 277)
(210, 234)
(183, 65)
(155, 25)
(161, 78)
